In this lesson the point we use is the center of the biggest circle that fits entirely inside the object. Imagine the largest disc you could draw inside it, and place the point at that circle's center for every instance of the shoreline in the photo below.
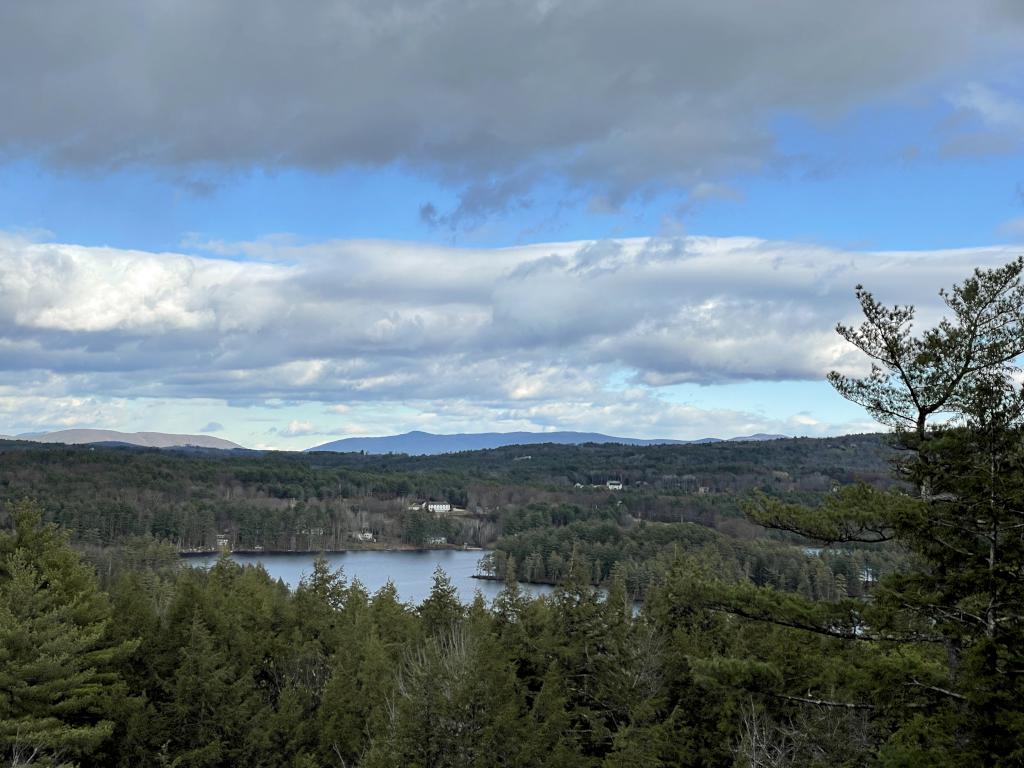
(209, 552)
(485, 577)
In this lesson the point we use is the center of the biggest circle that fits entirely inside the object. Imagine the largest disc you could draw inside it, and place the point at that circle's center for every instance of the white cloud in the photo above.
(21, 412)
(74, 289)
(299, 429)
(540, 335)
(994, 108)
(987, 121)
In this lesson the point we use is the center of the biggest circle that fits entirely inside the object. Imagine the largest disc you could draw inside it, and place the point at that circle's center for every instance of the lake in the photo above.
(411, 572)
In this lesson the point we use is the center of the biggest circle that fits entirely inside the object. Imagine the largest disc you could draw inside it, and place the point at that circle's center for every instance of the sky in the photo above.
(284, 224)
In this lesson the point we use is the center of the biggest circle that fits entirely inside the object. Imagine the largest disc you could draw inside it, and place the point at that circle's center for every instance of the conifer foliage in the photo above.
(944, 636)
(58, 680)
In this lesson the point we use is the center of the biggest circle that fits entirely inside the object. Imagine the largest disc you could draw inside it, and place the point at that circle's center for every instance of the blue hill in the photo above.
(426, 443)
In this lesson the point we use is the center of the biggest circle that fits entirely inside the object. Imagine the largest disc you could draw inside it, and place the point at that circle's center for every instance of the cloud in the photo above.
(343, 323)
(299, 429)
(41, 412)
(488, 97)
(213, 426)
(987, 122)
(992, 107)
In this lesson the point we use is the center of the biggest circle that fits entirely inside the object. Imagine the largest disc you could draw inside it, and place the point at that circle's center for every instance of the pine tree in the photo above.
(58, 684)
(915, 377)
(952, 618)
(456, 705)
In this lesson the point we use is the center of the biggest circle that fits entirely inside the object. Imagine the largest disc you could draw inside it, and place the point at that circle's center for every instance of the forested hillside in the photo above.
(294, 501)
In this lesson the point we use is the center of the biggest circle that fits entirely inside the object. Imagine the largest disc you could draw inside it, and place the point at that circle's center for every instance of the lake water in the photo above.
(411, 572)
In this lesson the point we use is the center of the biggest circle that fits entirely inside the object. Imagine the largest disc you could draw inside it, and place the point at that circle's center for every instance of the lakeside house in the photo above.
(434, 507)
(614, 485)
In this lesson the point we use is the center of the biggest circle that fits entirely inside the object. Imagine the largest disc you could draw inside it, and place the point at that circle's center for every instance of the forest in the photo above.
(844, 602)
(117, 502)
(104, 495)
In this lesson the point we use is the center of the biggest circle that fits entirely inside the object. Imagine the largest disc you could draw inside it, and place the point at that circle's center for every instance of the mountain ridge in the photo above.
(141, 439)
(421, 443)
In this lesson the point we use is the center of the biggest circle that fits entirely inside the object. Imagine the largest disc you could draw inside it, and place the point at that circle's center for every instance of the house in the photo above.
(436, 540)
(223, 541)
(363, 536)
(439, 507)
(614, 485)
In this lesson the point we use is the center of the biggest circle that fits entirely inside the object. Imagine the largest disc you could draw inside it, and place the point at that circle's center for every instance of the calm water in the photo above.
(411, 572)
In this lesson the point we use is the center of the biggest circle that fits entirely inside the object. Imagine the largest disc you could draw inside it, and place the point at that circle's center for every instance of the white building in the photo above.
(439, 507)
(614, 485)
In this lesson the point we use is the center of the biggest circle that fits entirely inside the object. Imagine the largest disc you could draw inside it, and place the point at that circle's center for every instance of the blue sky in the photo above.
(842, 194)
(639, 220)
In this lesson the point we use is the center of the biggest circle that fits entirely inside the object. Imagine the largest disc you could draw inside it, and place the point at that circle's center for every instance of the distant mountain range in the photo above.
(142, 439)
(412, 443)
(426, 443)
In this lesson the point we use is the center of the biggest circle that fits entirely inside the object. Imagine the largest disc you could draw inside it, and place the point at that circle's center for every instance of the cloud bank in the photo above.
(371, 321)
(615, 98)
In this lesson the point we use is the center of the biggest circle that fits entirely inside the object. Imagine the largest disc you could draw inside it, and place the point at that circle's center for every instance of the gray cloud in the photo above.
(614, 97)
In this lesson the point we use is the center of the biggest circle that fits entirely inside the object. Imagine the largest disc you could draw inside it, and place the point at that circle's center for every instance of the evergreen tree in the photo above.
(948, 629)
(456, 705)
(211, 706)
(915, 377)
(442, 610)
(344, 709)
(58, 681)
